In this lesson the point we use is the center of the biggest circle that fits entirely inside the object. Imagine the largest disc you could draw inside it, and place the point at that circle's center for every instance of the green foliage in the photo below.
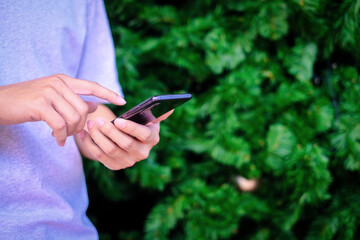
(300, 60)
(150, 174)
(280, 144)
(276, 98)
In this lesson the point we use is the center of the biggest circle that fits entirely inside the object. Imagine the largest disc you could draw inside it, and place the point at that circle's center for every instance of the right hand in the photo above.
(53, 99)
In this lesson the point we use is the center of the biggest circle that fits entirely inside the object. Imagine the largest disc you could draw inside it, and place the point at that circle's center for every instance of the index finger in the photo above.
(84, 87)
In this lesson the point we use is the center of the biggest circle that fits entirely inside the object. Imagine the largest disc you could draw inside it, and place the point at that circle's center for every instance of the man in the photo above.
(45, 124)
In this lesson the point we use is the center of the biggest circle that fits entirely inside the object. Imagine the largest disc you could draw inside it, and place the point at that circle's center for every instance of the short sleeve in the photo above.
(98, 62)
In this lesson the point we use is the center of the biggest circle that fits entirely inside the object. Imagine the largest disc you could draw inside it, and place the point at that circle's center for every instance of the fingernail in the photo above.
(121, 100)
(90, 124)
(100, 122)
(120, 123)
(61, 144)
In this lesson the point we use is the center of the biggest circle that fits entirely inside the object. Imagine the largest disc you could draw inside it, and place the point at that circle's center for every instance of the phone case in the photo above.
(154, 107)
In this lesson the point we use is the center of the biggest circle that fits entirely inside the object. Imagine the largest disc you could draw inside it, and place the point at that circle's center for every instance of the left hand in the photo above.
(122, 144)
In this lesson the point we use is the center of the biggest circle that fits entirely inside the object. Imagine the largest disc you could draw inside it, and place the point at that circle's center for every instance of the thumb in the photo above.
(163, 117)
(92, 106)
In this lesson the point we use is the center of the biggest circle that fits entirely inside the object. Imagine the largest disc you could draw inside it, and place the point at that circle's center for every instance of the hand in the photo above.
(52, 99)
(122, 144)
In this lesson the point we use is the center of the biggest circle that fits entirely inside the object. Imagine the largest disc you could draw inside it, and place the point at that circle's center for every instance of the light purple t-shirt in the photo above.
(43, 193)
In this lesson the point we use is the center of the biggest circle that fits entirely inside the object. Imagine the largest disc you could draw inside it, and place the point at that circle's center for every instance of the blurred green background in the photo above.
(276, 89)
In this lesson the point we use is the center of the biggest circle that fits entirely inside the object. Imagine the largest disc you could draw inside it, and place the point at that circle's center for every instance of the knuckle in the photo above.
(111, 150)
(112, 166)
(147, 136)
(57, 80)
(48, 91)
(131, 164)
(40, 102)
(59, 125)
(143, 155)
(128, 144)
(98, 154)
(75, 118)
(156, 139)
(60, 75)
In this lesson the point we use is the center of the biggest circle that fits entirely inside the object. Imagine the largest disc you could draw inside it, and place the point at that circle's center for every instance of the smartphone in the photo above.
(154, 107)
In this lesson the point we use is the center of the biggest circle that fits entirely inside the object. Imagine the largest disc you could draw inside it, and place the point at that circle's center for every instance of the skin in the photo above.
(54, 99)
(119, 145)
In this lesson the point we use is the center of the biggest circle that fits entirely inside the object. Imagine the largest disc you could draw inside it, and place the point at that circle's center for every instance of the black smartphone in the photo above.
(154, 107)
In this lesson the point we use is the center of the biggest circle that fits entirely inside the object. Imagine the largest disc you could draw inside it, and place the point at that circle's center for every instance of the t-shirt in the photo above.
(43, 192)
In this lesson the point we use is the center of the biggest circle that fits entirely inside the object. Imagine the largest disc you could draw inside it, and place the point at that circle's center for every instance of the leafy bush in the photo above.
(276, 90)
